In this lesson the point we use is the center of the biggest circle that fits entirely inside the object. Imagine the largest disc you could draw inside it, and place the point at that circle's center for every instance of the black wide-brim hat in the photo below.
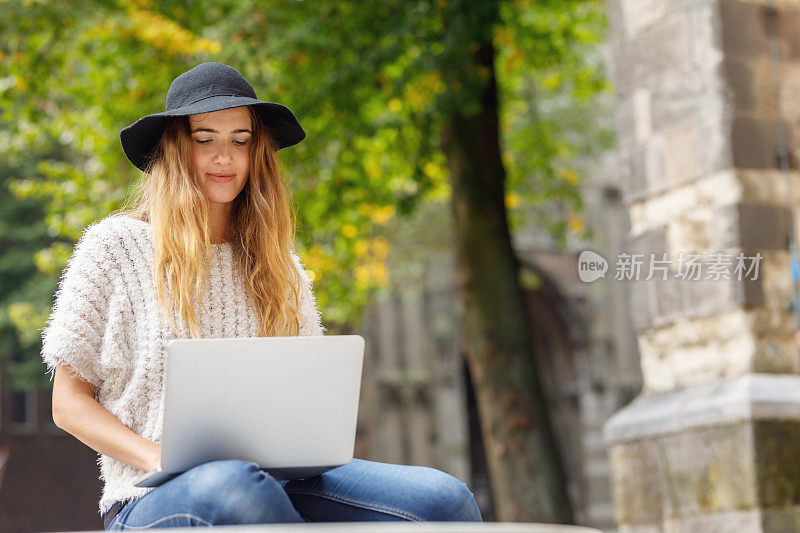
(208, 87)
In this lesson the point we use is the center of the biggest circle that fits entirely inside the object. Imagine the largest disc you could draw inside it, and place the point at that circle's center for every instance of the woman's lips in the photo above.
(220, 177)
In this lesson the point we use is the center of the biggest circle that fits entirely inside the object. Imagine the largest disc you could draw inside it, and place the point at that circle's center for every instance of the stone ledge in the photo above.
(752, 396)
(391, 527)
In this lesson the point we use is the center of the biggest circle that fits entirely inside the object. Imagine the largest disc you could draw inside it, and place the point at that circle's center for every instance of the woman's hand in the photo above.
(155, 458)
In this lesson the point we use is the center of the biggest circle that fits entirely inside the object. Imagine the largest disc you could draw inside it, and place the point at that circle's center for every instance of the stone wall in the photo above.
(702, 107)
(697, 125)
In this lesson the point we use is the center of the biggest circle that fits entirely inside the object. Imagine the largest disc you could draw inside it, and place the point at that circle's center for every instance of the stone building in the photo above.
(708, 95)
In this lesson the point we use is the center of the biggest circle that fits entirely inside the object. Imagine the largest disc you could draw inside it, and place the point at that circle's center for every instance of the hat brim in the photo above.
(141, 138)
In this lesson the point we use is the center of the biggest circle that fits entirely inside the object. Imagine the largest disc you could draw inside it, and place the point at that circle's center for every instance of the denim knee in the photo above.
(237, 492)
(448, 499)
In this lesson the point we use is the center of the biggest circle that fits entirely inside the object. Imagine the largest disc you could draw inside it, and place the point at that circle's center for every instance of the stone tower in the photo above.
(706, 90)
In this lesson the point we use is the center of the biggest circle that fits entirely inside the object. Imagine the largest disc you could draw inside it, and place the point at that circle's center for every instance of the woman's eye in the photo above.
(206, 141)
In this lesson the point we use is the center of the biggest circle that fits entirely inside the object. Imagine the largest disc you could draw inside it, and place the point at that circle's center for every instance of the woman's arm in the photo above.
(76, 411)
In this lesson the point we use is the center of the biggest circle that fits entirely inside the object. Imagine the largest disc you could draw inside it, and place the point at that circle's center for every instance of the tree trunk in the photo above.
(525, 468)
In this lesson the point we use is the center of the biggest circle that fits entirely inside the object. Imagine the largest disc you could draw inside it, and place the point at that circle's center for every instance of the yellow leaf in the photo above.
(373, 169)
(415, 98)
(22, 314)
(440, 191)
(568, 175)
(371, 273)
(163, 33)
(424, 88)
(361, 247)
(552, 80)
(383, 215)
(365, 208)
(514, 58)
(349, 231)
(361, 274)
(502, 37)
(433, 82)
(512, 200)
(318, 261)
(434, 171)
(381, 247)
(381, 274)
(575, 223)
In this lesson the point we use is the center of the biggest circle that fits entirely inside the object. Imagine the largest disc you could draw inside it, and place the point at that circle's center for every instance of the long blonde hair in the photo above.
(261, 229)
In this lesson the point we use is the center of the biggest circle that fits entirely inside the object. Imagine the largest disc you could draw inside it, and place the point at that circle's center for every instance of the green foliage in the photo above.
(372, 84)
(23, 288)
(552, 83)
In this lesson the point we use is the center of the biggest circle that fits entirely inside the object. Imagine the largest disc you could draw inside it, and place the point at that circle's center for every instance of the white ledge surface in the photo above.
(391, 527)
(720, 403)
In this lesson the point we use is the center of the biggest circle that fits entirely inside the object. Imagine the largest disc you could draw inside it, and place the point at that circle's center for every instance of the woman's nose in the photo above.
(223, 154)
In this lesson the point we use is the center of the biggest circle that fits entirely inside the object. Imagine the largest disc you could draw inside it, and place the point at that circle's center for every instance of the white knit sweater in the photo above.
(106, 324)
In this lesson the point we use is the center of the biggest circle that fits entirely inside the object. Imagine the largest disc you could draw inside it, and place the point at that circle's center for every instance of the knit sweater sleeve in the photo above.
(311, 318)
(76, 327)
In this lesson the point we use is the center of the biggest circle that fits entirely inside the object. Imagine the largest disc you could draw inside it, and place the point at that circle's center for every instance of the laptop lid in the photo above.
(283, 402)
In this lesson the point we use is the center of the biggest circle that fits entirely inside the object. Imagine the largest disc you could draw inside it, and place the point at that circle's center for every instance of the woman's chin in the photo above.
(220, 198)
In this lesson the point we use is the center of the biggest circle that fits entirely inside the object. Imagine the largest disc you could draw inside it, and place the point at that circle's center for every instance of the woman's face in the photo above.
(221, 152)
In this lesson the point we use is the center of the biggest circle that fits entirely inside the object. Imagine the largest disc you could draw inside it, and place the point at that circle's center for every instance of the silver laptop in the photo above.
(289, 404)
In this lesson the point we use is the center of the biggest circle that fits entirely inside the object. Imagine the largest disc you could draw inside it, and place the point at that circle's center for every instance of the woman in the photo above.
(211, 218)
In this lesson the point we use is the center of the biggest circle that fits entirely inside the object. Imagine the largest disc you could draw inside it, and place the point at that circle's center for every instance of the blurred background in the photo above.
(460, 156)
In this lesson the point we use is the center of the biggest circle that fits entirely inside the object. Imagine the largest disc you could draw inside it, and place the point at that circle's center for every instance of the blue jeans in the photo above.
(237, 492)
